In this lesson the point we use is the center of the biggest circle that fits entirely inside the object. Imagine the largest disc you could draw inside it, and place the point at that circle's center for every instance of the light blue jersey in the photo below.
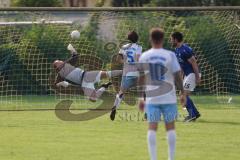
(130, 53)
(162, 64)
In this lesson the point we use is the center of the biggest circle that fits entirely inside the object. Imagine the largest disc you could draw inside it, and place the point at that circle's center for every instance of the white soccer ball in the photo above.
(75, 34)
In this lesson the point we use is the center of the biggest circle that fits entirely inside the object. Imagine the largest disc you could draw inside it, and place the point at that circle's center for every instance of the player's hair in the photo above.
(178, 36)
(54, 64)
(133, 36)
(156, 35)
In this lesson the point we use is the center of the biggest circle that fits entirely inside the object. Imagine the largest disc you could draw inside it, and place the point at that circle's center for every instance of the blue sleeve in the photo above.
(188, 53)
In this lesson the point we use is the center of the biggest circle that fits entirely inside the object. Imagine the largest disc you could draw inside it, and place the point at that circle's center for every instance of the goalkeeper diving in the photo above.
(69, 75)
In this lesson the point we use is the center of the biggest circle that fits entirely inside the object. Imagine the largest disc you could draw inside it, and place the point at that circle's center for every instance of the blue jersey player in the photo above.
(190, 70)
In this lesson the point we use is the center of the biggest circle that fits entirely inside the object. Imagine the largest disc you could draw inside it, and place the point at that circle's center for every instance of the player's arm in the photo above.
(194, 64)
(74, 56)
(74, 59)
(138, 54)
(119, 58)
(178, 79)
(58, 79)
(142, 78)
(141, 84)
(179, 84)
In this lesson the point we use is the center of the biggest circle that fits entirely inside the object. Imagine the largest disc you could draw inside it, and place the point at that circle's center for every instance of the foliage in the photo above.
(122, 3)
(38, 3)
(194, 2)
(31, 45)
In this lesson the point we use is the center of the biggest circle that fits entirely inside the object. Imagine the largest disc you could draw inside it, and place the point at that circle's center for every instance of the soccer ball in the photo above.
(75, 34)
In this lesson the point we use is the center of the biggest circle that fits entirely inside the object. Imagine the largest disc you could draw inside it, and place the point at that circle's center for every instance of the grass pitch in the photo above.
(40, 135)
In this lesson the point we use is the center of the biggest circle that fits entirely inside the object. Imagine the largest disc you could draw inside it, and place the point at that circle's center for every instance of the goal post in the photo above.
(32, 38)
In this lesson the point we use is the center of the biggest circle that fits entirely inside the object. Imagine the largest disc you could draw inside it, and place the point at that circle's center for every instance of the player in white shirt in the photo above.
(161, 73)
(128, 55)
(68, 74)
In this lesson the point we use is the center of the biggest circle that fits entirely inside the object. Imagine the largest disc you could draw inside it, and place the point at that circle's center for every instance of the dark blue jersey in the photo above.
(183, 53)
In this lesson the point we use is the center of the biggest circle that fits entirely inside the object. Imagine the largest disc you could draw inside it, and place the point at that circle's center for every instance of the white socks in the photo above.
(171, 136)
(118, 100)
(152, 144)
(100, 91)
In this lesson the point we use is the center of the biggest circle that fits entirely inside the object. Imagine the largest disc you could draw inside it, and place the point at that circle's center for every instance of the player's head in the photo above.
(133, 37)
(176, 38)
(57, 64)
(156, 36)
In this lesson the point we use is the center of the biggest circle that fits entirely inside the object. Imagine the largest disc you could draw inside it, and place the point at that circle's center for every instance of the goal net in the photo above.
(31, 40)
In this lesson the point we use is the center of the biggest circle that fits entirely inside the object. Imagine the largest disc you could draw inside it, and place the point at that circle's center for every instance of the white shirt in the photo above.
(130, 52)
(162, 64)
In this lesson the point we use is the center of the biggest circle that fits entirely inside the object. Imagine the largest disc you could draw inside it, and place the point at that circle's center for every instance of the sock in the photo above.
(191, 108)
(100, 91)
(114, 73)
(171, 136)
(118, 100)
(152, 144)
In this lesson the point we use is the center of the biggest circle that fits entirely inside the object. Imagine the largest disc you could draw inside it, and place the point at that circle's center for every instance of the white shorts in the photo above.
(189, 82)
(90, 78)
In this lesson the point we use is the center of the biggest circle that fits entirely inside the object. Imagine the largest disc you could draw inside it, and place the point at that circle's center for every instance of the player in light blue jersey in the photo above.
(161, 73)
(128, 55)
(190, 70)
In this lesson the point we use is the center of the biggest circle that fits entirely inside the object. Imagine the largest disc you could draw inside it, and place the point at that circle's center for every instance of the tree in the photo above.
(188, 2)
(130, 3)
(38, 3)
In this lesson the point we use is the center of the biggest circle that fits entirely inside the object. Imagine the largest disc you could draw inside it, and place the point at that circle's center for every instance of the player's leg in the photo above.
(117, 103)
(170, 115)
(171, 137)
(126, 83)
(189, 84)
(152, 140)
(89, 79)
(154, 115)
(110, 74)
(191, 108)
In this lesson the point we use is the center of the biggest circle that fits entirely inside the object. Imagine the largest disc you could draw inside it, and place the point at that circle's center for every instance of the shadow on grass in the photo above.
(63, 111)
(218, 122)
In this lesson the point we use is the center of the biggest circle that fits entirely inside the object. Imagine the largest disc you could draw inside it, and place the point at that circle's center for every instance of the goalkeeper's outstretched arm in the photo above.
(59, 81)
(74, 56)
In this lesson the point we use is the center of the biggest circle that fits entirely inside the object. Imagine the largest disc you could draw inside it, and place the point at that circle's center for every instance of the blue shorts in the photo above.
(128, 82)
(155, 111)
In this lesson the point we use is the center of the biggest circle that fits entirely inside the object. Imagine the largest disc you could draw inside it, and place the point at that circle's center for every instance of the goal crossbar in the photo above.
(211, 8)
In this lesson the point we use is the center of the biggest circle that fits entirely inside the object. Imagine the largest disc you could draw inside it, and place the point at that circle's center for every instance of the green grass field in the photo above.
(40, 135)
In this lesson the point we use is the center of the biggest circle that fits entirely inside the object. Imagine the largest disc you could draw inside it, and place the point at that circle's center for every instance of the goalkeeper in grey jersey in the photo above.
(68, 74)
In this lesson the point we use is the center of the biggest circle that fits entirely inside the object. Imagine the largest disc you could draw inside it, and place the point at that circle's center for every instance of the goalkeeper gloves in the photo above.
(71, 49)
(63, 84)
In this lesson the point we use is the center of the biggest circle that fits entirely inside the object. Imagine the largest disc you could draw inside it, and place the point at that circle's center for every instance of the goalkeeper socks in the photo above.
(114, 73)
(118, 100)
(152, 144)
(171, 137)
